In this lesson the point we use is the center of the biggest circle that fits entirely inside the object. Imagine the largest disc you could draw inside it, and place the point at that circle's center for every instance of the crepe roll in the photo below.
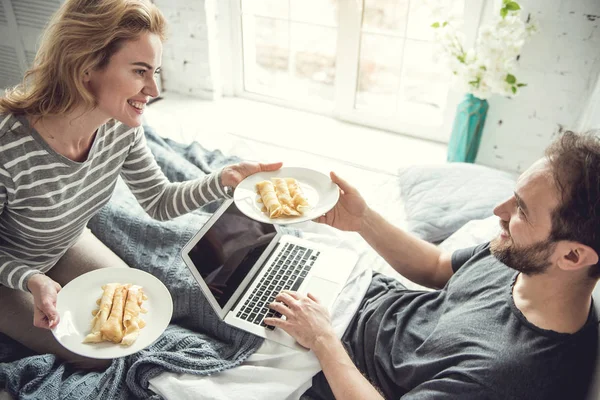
(283, 193)
(266, 189)
(112, 329)
(300, 202)
(101, 315)
(131, 319)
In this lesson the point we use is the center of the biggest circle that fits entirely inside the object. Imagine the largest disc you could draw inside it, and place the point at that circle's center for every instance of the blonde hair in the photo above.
(81, 36)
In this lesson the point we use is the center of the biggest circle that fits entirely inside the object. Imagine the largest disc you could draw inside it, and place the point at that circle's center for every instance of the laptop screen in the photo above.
(228, 250)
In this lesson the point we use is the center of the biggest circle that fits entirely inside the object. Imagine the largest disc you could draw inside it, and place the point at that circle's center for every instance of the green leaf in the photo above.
(461, 58)
(483, 68)
(514, 89)
(435, 25)
(521, 84)
(445, 23)
(510, 79)
(503, 12)
(512, 6)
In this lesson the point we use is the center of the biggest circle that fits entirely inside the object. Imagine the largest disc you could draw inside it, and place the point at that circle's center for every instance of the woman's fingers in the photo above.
(270, 166)
(50, 313)
(40, 319)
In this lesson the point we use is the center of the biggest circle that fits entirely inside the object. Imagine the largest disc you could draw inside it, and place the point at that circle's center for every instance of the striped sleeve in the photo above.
(13, 273)
(161, 199)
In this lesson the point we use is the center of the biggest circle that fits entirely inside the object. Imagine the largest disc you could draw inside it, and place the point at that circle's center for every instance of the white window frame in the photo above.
(348, 52)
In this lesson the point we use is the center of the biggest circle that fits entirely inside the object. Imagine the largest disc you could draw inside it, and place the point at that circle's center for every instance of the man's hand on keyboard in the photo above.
(306, 320)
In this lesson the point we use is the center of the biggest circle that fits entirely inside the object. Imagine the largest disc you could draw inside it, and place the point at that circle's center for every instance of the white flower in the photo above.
(489, 66)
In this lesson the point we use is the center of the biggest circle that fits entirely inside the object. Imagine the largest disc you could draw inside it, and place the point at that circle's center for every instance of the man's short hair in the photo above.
(575, 163)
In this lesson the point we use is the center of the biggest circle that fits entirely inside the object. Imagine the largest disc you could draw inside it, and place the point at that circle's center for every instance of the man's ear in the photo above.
(574, 255)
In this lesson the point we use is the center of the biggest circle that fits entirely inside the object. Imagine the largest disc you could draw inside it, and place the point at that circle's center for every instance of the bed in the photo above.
(450, 205)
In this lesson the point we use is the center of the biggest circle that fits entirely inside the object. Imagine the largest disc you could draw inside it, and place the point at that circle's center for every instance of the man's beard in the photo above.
(530, 260)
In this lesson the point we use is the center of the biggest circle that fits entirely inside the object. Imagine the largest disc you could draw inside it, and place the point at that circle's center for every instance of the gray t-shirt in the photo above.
(467, 340)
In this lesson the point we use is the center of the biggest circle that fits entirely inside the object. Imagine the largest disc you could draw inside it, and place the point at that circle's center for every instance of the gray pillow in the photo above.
(439, 199)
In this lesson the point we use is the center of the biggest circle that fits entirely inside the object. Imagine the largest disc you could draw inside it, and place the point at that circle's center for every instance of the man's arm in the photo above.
(308, 322)
(414, 258)
(344, 378)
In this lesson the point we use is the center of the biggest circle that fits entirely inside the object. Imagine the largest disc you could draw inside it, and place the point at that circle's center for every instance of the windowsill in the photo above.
(216, 124)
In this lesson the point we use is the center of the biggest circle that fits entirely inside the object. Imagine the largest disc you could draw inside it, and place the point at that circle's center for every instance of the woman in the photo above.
(66, 134)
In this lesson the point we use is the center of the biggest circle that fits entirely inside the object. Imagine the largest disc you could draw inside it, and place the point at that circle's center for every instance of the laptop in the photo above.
(242, 264)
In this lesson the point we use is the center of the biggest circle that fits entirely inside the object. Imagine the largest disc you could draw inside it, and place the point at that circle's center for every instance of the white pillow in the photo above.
(439, 199)
(472, 233)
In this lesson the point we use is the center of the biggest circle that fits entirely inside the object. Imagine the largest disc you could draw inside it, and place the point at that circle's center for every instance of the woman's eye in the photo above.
(520, 211)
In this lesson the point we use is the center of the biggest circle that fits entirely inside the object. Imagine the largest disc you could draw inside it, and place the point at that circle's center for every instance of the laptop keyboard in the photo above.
(286, 272)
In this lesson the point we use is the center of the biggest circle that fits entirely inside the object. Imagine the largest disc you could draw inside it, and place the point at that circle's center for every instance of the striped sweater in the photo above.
(47, 199)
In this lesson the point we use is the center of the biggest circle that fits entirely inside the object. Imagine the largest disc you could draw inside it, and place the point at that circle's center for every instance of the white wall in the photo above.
(591, 117)
(190, 55)
(561, 66)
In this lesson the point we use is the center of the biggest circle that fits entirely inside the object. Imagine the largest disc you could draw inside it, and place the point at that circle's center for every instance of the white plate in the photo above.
(322, 194)
(77, 300)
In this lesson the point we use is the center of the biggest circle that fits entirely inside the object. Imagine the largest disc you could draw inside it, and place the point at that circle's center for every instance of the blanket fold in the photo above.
(196, 342)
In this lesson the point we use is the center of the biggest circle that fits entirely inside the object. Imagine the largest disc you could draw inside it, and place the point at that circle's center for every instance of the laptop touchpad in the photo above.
(324, 290)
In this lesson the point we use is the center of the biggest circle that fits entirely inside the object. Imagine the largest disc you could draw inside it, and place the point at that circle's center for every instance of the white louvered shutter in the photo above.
(21, 24)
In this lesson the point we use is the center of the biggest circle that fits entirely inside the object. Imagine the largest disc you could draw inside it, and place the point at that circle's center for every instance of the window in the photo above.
(371, 62)
(289, 49)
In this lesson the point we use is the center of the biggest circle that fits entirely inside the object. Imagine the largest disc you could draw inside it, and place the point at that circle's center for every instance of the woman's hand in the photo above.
(307, 320)
(232, 175)
(348, 213)
(44, 291)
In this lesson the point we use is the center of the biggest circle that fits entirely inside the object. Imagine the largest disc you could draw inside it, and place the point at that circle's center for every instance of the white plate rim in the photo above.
(245, 189)
(122, 275)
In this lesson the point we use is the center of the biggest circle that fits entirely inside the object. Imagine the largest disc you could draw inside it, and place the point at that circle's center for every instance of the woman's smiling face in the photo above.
(123, 87)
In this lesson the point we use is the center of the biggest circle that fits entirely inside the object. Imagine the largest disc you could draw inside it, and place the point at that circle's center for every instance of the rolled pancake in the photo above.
(102, 314)
(283, 195)
(299, 200)
(131, 320)
(113, 327)
(266, 190)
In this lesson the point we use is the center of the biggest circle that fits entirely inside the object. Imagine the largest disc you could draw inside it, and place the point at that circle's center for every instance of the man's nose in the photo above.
(502, 210)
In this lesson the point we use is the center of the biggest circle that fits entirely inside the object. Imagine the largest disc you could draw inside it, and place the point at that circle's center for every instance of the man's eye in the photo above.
(520, 210)
(140, 72)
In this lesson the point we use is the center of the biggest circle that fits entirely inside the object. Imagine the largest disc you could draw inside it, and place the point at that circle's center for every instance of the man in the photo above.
(513, 318)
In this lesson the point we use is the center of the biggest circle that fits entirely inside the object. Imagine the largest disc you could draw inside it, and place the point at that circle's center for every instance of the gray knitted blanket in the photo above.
(196, 342)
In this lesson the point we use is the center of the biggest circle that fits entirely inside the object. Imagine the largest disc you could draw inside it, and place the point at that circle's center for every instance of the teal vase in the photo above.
(467, 129)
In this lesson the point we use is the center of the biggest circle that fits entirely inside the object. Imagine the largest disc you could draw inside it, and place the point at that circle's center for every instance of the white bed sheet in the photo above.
(275, 371)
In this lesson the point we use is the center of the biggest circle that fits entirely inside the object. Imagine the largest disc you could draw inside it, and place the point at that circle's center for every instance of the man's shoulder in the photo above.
(467, 256)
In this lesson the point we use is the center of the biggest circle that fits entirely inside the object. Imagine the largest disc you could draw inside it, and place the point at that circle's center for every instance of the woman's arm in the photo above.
(161, 199)
(164, 200)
